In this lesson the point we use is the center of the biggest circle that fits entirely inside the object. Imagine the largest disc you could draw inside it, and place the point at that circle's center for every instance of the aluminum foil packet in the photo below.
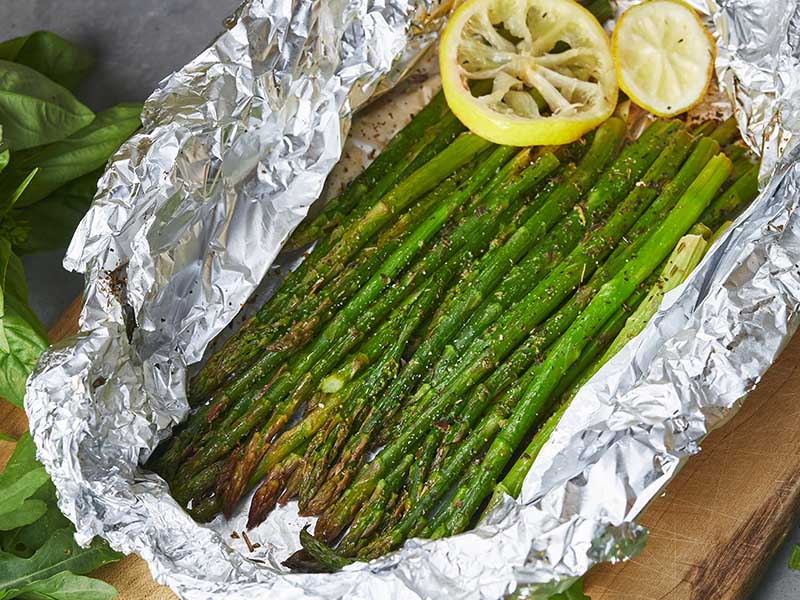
(193, 211)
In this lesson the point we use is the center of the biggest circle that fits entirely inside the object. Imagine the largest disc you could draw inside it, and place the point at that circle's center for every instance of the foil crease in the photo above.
(194, 209)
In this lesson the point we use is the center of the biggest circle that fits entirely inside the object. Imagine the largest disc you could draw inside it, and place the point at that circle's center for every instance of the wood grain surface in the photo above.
(712, 532)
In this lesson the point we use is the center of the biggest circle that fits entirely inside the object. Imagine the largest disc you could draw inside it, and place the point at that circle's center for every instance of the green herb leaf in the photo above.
(68, 586)
(59, 553)
(15, 283)
(83, 152)
(30, 512)
(32, 555)
(52, 221)
(49, 54)
(5, 437)
(26, 341)
(35, 110)
(5, 257)
(22, 478)
(27, 540)
(575, 592)
(14, 495)
(8, 202)
(5, 153)
(794, 558)
(22, 461)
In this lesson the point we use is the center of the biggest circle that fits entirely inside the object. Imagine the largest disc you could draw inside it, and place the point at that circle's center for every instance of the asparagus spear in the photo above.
(606, 139)
(705, 128)
(484, 355)
(663, 169)
(387, 343)
(318, 357)
(326, 261)
(387, 167)
(728, 204)
(687, 254)
(235, 399)
(611, 296)
(370, 517)
(727, 132)
(610, 189)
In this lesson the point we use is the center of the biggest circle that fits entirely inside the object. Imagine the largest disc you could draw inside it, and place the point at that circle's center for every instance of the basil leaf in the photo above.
(14, 496)
(794, 558)
(5, 155)
(26, 341)
(52, 221)
(4, 437)
(22, 460)
(82, 152)
(8, 203)
(59, 553)
(16, 285)
(29, 512)
(574, 592)
(35, 110)
(49, 54)
(27, 540)
(67, 586)
(5, 257)
(21, 479)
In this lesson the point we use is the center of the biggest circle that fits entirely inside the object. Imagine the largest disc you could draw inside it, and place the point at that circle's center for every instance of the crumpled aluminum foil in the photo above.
(192, 212)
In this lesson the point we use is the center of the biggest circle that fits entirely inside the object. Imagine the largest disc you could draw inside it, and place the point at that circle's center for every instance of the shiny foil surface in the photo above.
(193, 211)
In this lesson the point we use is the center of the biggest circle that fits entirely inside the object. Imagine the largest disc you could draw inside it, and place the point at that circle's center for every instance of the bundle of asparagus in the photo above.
(455, 292)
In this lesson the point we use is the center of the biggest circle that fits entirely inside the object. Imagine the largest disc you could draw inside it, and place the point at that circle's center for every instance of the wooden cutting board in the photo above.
(712, 532)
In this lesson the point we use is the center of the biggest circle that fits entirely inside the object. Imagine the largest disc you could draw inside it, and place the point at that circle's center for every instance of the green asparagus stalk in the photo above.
(682, 262)
(383, 171)
(566, 351)
(605, 141)
(370, 517)
(318, 361)
(740, 166)
(603, 197)
(601, 9)
(727, 132)
(474, 230)
(663, 169)
(267, 494)
(728, 204)
(685, 257)
(705, 128)
(325, 263)
(483, 357)
(735, 152)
